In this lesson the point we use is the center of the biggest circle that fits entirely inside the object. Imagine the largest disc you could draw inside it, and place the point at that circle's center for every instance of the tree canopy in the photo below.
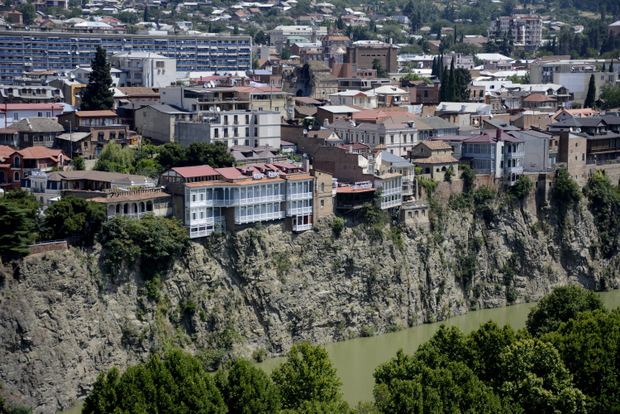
(98, 94)
(307, 376)
(178, 384)
(561, 305)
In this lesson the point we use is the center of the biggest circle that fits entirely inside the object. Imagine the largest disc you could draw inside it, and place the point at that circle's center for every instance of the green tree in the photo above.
(468, 176)
(78, 164)
(286, 53)
(561, 305)
(378, 66)
(128, 17)
(115, 158)
(307, 376)
(72, 216)
(535, 377)
(170, 155)
(590, 348)
(178, 384)
(28, 11)
(14, 229)
(591, 95)
(247, 389)
(522, 187)
(610, 94)
(604, 203)
(98, 94)
(216, 155)
(565, 192)
(153, 241)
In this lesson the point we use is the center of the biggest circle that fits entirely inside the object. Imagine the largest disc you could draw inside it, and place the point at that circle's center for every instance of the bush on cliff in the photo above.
(154, 241)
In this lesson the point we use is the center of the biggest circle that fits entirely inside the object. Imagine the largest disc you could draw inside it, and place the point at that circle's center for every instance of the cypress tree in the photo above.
(611, 66)
(451, 92)
(444, 86)
(97, 95)
(589, 102)
(603, 70)
(434, 70)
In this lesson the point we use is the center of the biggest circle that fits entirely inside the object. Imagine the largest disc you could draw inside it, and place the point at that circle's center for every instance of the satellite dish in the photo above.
(211, 108)
(305, 131)
(218, 109)
(309, 126)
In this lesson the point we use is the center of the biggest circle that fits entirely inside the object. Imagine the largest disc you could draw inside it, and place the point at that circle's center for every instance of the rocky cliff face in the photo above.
(64, 319)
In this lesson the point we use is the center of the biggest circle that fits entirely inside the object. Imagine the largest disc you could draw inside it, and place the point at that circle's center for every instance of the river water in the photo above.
(356, 359)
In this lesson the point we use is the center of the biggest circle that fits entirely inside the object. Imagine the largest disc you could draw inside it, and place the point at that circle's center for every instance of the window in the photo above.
(16, 162)
(15, 116)
(112, 135)
(159, 64)
(16, 176)
(100, 137)
(40, 114)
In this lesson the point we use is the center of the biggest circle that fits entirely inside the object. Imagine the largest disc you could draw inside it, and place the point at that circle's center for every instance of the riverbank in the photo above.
(356, 359)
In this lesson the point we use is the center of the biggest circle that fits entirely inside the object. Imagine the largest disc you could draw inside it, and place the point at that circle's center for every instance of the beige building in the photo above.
(434, 158)
(157, 121)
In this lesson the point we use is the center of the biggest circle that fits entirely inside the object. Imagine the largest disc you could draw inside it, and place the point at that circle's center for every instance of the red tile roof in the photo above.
(37, 153)
(196, 171)
(33, 107)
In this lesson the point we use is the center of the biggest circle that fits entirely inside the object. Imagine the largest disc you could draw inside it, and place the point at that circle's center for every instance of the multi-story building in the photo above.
(101, 126)
(36, 94)
(367, 99)
(361, 175)
(288, 35)
(157, 121)
(33, 132)
(16, 166)
(574, 75)
(127, 194)
(525, 31)
(397, 138)
(146, 68)
(236, 98)
(12, 113)
(249, 128)
(364, 52)
(212, 199)
(500, 155)
(22, 51)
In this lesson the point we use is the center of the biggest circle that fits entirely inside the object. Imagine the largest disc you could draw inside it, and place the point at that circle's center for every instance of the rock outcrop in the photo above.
(64, 319)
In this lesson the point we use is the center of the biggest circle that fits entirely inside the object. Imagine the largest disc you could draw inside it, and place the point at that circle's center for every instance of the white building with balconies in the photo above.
(215, 199)
(499, 155)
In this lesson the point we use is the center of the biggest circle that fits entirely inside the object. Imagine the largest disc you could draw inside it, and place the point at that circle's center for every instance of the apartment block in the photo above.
(213, 199)
(362, 53)
(395, 138)
(146, 68)
(248, 128)
(199, 99)
(23, 51)
(525, 31)
(288, 35)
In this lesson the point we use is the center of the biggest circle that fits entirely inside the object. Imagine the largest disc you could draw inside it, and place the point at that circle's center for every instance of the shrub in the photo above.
(338, 226)
(522, 188)
(155, 241)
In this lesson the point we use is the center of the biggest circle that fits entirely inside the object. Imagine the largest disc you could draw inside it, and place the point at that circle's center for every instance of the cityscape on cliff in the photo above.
(203, 205)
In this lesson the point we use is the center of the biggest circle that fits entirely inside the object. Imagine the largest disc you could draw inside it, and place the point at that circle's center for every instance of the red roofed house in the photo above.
(210, 199)
(18, 165)
(540, 102)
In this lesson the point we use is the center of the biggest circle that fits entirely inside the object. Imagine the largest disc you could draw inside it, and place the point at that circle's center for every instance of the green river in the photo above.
(357, 359)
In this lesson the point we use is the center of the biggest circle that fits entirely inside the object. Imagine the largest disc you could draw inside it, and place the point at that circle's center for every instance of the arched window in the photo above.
(16, 176)
(16, 162)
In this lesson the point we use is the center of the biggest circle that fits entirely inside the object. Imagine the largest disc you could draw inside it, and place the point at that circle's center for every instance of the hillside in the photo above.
(64, 318)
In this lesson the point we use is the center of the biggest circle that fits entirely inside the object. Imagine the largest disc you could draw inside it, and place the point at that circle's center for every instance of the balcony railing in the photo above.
(302, 227)
(511, 155)
(299, 211)
(253, 218)
(299, 196)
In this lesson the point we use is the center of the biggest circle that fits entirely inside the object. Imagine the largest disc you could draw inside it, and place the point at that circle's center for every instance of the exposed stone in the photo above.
(63, 320)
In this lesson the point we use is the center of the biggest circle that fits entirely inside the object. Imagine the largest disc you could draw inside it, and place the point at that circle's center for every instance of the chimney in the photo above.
(498, 135)
(306, 165)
